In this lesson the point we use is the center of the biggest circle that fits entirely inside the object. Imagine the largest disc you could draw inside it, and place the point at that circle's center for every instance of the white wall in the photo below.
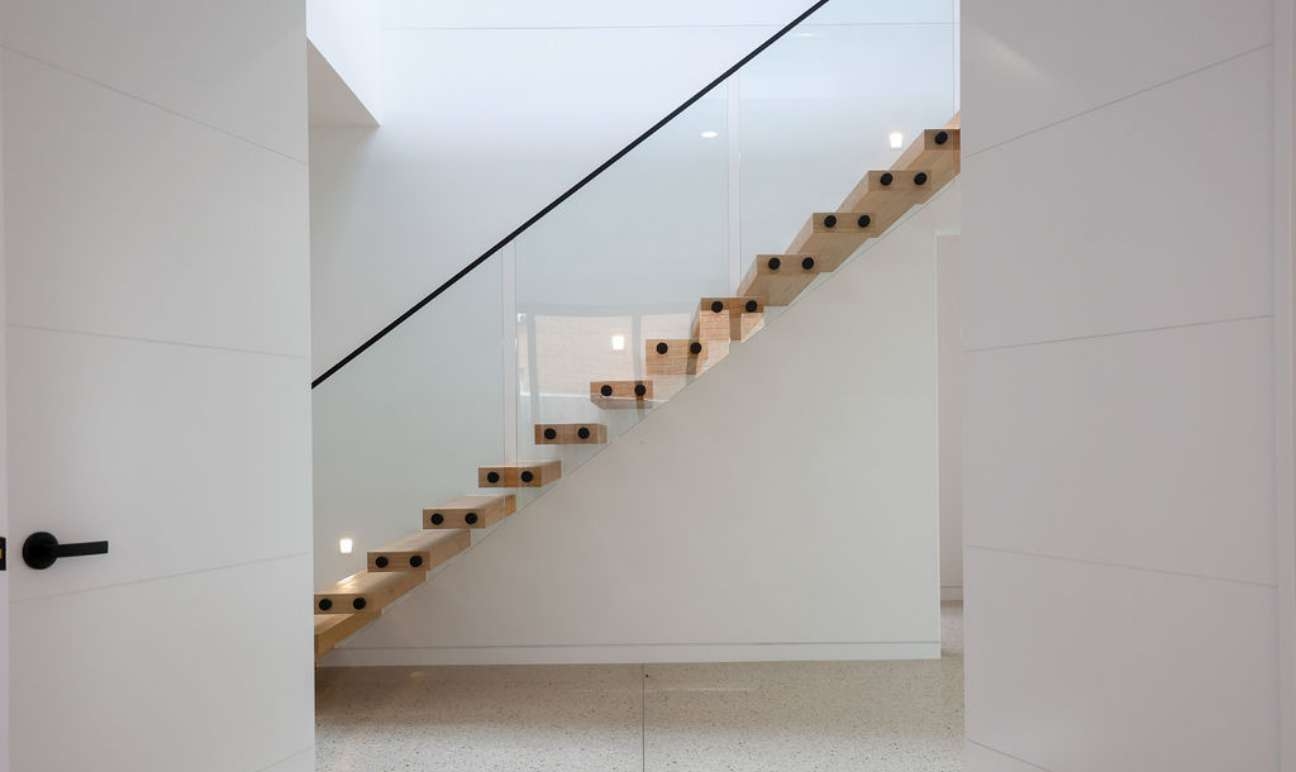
(4, 473)
(951, 381)
(345, 62)
(1119, 441)
(757, 516)
(157, 323)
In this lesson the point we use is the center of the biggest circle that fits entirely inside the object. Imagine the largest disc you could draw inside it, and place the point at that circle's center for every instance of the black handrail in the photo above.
(518, 231)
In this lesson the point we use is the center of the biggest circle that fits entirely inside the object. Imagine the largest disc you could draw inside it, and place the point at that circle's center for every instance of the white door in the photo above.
(156, 254)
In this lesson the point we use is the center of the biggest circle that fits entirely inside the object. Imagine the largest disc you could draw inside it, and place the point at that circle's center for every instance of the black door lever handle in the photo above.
(42, 550)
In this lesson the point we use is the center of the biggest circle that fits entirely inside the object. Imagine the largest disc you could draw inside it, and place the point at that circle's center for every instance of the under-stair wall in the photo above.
(783, 507)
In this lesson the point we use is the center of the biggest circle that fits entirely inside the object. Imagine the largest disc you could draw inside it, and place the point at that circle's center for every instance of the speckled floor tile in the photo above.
(753, 717)
(466, 719)
(821, 716)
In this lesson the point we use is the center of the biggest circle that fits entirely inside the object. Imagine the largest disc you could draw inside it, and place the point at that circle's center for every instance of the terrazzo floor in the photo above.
(748, 717)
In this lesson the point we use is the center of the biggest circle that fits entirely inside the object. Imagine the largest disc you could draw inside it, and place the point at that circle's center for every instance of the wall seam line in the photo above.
(158, 341)
(1120, 333)
(1118, 100)
(1005, 755)
(160, 578)
(289, 757)
(488, 647)
(155, 105)
(1127, 566)
(630, 27)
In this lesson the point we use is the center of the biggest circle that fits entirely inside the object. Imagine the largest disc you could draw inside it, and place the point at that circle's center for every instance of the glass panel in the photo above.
(623, 262)
(406, 424)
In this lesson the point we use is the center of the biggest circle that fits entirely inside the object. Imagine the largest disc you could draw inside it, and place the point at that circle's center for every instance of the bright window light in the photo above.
(345, 546)
(708, 134)
(618, 343)
(897, 140)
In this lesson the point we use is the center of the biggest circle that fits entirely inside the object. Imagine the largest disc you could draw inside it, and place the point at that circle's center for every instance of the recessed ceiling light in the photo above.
(618, 343)
(897, 140)
(345, 545)
(708, 134)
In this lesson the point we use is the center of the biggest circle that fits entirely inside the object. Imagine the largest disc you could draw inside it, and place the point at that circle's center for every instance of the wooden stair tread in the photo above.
(420, 551)
(366, 591)
(484, 511)
(887, 201)
(332, 629)
(728, 319)
(936, 150)
(571, 434)
(834, 236)
(622, 395)
(675, 356)
(778, 279)
(530, 474)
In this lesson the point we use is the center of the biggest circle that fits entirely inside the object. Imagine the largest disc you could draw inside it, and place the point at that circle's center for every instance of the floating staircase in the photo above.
(826, 240)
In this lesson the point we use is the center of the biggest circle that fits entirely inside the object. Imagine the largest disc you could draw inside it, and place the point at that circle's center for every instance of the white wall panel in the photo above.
(207, 672)
(1147, 449)
(1120, 419)
(1031, 63)
(236, 65)
(4, 462)
(184, 458)
(1086, 668)
(197, 237)
(1137, 216)
(157, 319)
